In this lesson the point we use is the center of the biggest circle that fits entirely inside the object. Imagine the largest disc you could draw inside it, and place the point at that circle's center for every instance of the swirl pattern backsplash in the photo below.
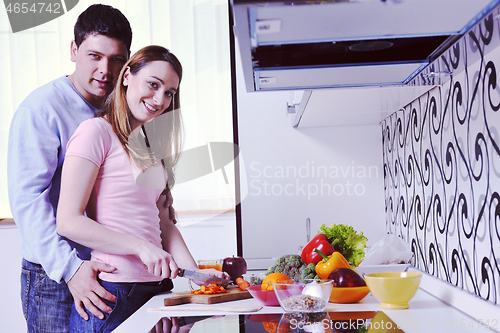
(442, 165)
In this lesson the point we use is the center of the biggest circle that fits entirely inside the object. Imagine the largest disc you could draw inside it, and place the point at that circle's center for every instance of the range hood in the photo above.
(346, 43)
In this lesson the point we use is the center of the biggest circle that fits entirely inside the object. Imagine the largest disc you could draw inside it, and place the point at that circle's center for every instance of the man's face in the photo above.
(99, 60)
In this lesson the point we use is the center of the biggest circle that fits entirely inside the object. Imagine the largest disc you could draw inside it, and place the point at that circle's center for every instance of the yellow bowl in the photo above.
(348, 294)
(393, 289)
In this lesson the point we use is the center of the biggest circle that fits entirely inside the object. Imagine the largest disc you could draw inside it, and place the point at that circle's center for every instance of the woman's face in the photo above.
(150, 91)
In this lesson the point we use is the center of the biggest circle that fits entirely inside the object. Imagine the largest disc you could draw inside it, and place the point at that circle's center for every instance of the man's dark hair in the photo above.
(103, 20)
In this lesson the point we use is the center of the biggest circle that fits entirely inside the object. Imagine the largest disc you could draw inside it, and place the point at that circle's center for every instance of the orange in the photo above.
(267, 283)
(270, 327)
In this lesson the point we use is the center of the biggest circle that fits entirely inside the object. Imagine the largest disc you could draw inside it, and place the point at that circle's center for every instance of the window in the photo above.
(197, 31)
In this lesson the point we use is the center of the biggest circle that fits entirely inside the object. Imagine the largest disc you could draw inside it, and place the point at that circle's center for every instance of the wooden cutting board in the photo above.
(233, 294)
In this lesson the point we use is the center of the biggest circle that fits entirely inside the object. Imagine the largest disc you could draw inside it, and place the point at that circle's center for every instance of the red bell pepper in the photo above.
(320, 242)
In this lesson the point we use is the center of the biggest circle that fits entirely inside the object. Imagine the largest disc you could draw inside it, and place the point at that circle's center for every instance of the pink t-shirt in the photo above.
(116, 201)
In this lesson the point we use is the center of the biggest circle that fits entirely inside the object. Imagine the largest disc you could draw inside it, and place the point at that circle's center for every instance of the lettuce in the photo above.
(350, 243)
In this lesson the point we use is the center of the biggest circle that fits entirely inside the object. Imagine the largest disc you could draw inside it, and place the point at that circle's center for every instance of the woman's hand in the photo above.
(157, 261)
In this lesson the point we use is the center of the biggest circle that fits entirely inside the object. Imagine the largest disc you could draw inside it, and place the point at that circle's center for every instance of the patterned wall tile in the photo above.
(442, 165)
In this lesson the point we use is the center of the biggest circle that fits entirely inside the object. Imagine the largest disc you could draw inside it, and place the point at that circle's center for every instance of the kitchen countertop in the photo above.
(426, 314)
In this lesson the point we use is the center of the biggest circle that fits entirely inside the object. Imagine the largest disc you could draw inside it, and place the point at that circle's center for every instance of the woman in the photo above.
(112, 180)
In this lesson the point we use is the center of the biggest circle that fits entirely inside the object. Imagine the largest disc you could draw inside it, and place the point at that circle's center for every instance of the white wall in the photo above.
(278, 201)
(11, 314)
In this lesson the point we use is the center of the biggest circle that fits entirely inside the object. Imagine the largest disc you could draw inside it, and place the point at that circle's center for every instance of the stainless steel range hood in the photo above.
(343, 43)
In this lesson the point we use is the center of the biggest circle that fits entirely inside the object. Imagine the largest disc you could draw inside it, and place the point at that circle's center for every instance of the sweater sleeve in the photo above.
(33, 157)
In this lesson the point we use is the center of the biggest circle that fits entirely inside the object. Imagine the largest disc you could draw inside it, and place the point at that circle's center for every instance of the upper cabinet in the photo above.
(349, 106)
(346, 43)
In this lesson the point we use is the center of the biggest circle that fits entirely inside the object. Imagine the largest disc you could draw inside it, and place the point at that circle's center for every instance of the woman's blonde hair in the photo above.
(159, 140)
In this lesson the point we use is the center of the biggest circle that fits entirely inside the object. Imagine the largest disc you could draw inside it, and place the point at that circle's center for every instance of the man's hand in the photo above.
(165, 208)
(86, 290)
(171, 212)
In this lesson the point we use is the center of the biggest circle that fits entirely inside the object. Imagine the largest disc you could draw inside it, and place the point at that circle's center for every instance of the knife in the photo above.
(205, 278)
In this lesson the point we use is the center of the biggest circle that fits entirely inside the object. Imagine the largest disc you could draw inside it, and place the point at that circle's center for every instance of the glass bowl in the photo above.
(254, 278)
(215, 264)
(304, 295)
(266, 297)
(316, 322)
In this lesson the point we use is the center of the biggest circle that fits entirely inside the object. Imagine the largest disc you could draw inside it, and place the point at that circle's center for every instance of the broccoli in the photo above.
(308, 272)
(290, 264)
(295, 261)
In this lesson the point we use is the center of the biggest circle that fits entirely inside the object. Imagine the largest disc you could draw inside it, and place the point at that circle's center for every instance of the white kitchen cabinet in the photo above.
(350, 106)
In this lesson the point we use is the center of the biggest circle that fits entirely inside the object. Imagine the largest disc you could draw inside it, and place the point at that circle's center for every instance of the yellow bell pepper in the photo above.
(331, 263)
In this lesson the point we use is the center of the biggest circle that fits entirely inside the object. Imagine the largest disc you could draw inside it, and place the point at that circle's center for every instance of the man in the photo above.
(38, 135)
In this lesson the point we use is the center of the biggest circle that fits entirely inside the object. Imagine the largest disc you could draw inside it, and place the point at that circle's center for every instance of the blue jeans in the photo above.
(46, 303)
(129, 298)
